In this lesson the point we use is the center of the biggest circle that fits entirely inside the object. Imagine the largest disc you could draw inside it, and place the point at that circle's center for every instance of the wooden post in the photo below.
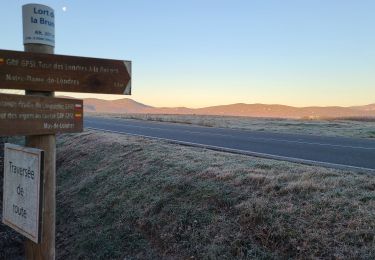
(46, 248)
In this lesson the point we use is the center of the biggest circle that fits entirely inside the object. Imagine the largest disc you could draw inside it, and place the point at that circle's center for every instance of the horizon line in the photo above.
(228, 104)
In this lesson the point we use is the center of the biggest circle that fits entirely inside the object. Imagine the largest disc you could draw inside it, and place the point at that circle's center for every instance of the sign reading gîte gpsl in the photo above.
(47, 72)
(22, 206)
(38, 24)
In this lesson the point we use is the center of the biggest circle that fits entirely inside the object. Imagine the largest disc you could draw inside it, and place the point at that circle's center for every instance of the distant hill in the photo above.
(370, 107)
(127, 105)
(281, 111)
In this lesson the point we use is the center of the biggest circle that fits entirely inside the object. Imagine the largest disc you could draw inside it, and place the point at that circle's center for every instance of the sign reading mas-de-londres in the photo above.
(22, 205)
(35, 115)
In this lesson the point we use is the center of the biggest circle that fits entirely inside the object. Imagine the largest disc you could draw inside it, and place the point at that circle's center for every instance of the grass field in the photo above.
(127, 197)
(362, 128)
(122, 197)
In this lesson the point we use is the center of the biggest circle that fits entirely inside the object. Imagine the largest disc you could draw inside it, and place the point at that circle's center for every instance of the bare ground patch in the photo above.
(127, 197)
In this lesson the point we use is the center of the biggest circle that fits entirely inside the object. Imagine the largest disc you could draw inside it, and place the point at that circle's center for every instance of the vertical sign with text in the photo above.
(23, 169)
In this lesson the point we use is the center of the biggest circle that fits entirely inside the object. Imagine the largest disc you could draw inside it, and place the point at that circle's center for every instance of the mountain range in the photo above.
(127, 105)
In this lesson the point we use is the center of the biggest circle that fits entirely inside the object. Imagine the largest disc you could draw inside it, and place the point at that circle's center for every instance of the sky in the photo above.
(199, 53)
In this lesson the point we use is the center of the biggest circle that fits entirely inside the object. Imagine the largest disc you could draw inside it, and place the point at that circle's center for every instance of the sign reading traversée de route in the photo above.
(47, 72)
(23, 168)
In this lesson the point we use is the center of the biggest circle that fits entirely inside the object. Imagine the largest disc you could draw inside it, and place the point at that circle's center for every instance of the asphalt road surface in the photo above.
(337, 152)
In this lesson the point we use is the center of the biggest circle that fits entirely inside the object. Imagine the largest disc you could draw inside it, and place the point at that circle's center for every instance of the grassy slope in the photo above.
(346, 128)
(121, 196)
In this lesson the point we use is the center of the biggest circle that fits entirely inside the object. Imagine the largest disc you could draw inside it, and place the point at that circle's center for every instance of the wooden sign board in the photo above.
(36, 115)
(47, 72)
(22, 205)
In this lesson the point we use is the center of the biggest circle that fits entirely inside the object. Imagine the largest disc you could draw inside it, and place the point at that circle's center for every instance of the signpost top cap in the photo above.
(38, 24)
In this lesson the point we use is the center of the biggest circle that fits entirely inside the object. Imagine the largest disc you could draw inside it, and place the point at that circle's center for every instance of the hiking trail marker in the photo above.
(34, 115)
(46, 72)
(39, 116)
(23, 168)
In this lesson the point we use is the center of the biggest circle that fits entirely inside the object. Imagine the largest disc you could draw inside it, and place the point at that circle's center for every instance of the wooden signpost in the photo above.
(39, 116)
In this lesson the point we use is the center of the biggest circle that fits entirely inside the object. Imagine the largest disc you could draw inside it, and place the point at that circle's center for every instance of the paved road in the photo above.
(336, 152)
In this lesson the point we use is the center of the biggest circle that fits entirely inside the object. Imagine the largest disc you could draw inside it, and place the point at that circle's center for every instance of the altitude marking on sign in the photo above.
(23, 168)
(47, 72)
(36, 115)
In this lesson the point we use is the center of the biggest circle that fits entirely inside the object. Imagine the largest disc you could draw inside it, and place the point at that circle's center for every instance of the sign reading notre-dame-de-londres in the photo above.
(23, 168)
(47, 72)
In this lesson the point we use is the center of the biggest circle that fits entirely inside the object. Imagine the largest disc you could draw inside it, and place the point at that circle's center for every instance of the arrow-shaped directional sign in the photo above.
(47, 72)
(36, 115)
